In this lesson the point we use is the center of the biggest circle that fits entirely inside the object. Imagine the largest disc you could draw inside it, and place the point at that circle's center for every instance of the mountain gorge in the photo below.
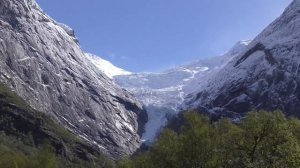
(108, 110)
(253, 75)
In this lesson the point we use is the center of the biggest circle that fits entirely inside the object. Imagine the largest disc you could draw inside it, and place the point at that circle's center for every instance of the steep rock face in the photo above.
(264, 76)
(19, 120)
(42, 61)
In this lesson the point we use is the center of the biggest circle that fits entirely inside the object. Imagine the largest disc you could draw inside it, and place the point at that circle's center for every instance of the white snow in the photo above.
(91, 141)
(163, 93)
(68, 122)
(24, 59)
(118, 125)
(106, 67)
(128, 126)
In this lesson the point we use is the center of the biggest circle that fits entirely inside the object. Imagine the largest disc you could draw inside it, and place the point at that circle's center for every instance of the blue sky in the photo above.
(153, 35)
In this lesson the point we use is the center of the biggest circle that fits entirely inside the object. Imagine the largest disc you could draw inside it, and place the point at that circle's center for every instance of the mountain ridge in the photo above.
(264, 76)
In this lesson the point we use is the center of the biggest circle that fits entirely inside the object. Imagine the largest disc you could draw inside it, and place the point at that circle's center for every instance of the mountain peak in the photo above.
(239, 46)
(265, 75)
(42, 61)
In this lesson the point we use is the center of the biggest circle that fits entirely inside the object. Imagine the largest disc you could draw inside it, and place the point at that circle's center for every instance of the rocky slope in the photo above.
(264, 76)
(41, 60)
(20, 122)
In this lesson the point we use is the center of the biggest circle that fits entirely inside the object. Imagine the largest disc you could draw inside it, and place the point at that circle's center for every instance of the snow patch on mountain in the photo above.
(263, 76)
(106, 67)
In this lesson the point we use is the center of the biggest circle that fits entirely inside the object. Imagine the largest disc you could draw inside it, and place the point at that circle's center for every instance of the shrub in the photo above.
(261, 140)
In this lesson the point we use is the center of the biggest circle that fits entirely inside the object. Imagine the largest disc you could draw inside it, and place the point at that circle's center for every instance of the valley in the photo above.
(63, 107)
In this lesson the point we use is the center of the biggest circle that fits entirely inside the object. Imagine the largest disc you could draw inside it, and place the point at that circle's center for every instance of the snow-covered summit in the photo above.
(264, 76)
(106, 67)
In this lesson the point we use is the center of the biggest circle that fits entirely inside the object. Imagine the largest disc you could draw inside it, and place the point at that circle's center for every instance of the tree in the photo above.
(260, 140)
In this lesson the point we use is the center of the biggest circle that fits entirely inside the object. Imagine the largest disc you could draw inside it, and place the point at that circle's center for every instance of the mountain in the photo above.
(163, 93)
(41, 61)
(264, 76)
(106, 67)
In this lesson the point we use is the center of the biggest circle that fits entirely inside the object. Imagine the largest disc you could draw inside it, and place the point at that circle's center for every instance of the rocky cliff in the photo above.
(41, 60)
(265, 75)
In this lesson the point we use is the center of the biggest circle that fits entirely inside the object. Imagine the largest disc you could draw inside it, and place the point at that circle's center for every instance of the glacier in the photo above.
(164, 93)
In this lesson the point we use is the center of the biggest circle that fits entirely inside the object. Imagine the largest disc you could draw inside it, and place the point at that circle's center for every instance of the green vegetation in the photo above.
(20, 153)
(261, 140)
(14, 153)
(31, 139)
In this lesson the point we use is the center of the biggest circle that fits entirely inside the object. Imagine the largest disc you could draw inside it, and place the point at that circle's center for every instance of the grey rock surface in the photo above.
(265, 75)
(41, 60)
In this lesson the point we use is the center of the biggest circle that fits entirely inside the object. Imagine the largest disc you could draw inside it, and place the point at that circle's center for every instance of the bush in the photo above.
(19, 153)
(261, 140)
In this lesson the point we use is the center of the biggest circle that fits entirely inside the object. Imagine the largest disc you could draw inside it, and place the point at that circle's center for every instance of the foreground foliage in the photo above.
(32, 139)
(261, 140)
(22, 153)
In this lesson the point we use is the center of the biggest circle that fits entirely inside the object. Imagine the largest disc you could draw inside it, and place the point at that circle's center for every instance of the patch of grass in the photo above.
(9, 96)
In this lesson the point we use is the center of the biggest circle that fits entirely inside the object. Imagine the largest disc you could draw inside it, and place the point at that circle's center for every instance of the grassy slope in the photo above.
(25, 132)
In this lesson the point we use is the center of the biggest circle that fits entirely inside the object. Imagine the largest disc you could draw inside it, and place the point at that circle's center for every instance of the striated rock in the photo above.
(264, 76)
(42, 62)
(20, 121)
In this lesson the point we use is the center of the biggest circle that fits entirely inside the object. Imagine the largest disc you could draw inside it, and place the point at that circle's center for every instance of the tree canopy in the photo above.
(260, 140)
